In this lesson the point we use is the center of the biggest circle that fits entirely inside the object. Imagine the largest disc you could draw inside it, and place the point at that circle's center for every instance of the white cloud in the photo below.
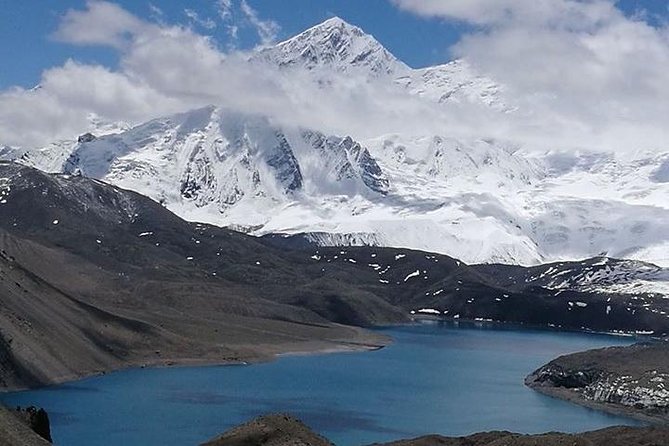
(267, 30)
(156, 12)
(575, 14)
(102, 23)
(194, 17)
(582, 73)
(233, 31)
(163, 69)
(59, 107)
(224, 9)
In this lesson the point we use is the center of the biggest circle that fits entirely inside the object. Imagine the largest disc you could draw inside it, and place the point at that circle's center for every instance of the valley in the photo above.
(202, 225)
(96, 278)
(108, 269)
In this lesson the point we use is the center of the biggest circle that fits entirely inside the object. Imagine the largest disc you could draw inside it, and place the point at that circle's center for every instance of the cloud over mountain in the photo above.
(582, 70)
(570, 74)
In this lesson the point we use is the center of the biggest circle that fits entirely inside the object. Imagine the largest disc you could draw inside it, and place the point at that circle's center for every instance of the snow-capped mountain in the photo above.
(211, 163)
(478, 199)
(336, 46)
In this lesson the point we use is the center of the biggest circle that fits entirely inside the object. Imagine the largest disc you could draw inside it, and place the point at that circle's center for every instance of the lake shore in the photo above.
(628, 381)
(289, 384)
(574, 398)
(16, 433)
(357, 340)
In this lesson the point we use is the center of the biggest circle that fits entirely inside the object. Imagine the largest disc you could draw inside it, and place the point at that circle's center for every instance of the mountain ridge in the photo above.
(335, 44)
(478, 199)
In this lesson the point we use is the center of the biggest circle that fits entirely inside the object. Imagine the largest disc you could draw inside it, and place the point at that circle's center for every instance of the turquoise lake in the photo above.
(435, 378)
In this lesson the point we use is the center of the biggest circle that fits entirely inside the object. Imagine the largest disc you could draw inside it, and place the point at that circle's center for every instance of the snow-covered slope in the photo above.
(478, 199)
(455, 82)
(52, 157)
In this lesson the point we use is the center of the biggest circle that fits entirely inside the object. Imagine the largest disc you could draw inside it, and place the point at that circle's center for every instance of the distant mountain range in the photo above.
(477, 199)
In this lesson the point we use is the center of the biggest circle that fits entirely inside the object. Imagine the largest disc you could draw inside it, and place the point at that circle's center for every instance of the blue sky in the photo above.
(26, 26)
(27, 48)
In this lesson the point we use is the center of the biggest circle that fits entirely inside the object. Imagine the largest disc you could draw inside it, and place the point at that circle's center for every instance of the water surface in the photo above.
(435, 378)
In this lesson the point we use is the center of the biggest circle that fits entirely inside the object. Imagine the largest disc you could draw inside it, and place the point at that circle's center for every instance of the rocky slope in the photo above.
(629, 380)
(283, 430)
(573, 295)
(94, 278)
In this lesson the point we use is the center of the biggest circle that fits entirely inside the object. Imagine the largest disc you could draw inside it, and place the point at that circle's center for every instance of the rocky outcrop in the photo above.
(632, 380)
(36, 419)
(271, 430)
(617, 436)
(86, 137)
(557, 376)
(345, 160)
(28, 427)
(282, 160)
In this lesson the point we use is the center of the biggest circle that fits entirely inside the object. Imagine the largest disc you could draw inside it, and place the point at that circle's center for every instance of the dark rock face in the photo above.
(571, 379)
(305, 241)
(6, 362)
(16, 429)
(287, 170)
(346, 159)
(37, 419)
(198, 181)
(86, 137)
(369, 169)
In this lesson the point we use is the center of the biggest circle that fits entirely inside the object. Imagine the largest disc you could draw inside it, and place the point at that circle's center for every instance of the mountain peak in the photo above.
(334, 45)
(334, 21)
(328, 26)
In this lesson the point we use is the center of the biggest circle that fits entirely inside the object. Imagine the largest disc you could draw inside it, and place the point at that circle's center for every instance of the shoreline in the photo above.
(619, 410)
(270, 352)
(259, 354)
(418, 318)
